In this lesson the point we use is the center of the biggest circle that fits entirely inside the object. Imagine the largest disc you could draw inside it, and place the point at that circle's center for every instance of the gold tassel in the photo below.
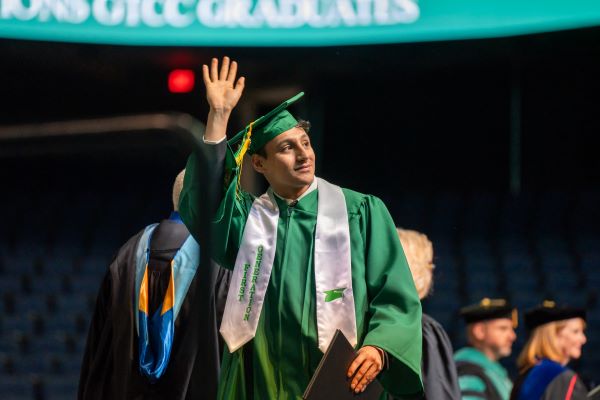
(239, 158)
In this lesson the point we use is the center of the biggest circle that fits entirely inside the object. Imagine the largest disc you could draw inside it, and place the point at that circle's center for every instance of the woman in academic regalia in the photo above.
(440, 380)
(556, 336)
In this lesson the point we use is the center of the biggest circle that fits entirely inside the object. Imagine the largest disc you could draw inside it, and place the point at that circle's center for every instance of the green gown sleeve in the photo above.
(394, 306)
(209, 193)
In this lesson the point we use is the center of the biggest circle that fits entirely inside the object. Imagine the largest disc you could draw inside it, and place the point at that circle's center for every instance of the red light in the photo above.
(181, 81)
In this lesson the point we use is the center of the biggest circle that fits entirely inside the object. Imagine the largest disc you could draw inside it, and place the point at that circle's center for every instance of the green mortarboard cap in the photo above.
(270, 125)
(488, 309)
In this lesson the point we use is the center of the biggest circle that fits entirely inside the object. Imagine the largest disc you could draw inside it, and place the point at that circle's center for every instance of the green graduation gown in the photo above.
(285, 351)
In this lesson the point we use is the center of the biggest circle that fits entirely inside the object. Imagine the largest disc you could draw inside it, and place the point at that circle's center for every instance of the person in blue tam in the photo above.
(149, 337)
(556, 336)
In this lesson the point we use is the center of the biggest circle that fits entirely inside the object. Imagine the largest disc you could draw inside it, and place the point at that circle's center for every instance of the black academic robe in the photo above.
(439, 371)
(549, 380)
(110, 368)
(440, 380)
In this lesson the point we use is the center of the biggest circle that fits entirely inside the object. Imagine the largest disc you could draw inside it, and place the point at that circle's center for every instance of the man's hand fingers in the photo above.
(364, 368)
(239, 86)
(232, 72)
(205, 75)
(367, 378)
(355, 364)
(224, 69)
(214, 65)
(359, 379)
(372, 354)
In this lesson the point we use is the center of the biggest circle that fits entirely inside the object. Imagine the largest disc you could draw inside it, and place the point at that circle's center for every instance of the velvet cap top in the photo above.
(549, 311)
(488, 309)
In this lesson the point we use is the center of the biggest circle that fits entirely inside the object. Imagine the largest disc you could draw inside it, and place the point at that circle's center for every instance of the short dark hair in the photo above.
(302, 124)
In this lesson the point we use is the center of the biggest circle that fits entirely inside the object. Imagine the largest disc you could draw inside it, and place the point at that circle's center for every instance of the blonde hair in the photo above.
(177, 186)
(542, 343)
(419, 254)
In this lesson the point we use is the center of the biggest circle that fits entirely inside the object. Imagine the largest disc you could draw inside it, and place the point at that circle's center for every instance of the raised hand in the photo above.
(222, 90)
(223, 93)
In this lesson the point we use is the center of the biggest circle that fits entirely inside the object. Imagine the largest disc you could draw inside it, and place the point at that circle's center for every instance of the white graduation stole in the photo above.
(254, 261)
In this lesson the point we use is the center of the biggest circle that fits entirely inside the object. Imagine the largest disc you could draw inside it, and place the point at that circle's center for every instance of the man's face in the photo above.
(496, 337)
(290, 161)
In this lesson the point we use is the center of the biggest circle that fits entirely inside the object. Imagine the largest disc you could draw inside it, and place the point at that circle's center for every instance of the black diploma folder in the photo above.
(329, 381)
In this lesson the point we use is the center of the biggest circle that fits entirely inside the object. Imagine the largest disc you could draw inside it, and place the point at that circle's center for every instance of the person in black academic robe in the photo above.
(440, 380)
(111, 363)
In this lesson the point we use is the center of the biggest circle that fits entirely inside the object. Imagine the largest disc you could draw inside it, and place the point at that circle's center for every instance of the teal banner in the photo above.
(286, 22)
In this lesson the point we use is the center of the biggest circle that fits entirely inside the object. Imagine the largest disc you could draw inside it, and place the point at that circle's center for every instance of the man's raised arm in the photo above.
(203, 182)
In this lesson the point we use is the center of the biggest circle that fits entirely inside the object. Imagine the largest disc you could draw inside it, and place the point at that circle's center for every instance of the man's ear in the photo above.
(258, 163)
(479, 331)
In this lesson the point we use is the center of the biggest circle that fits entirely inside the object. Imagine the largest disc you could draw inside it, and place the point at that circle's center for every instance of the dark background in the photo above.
(436, 114)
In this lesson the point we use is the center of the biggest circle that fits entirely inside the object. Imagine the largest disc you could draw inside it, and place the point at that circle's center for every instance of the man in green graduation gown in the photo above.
(308, 258)
(491, 327)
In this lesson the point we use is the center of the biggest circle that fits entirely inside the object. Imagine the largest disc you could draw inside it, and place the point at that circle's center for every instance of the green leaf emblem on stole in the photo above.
(334, 294)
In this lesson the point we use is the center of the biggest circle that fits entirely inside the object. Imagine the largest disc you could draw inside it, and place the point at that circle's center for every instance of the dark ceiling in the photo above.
(448, 103)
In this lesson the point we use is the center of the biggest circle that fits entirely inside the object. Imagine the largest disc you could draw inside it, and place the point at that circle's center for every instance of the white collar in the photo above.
(311, 188)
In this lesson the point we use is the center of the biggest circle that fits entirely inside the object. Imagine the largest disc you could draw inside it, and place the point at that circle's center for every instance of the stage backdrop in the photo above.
(286, 22)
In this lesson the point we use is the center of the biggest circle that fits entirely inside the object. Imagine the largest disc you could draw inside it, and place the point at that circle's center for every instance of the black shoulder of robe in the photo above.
(110, 363)
(566, 386)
